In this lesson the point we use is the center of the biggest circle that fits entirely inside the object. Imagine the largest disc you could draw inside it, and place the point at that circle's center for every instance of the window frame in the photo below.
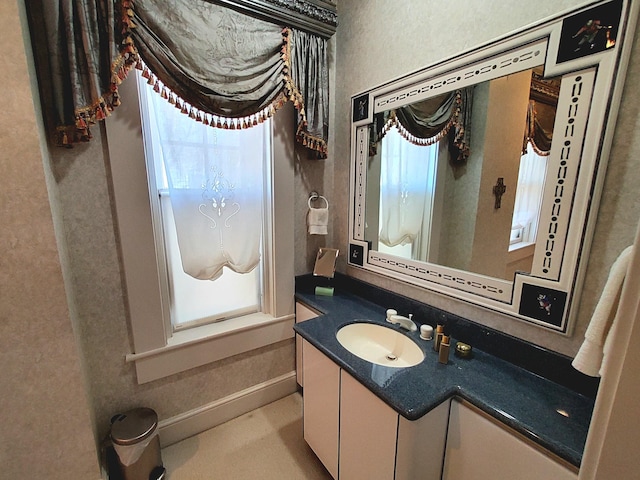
(524, 233)
(157, 351)
(163, 220)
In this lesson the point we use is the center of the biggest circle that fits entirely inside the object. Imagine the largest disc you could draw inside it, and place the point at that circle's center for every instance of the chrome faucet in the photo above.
(403, 322)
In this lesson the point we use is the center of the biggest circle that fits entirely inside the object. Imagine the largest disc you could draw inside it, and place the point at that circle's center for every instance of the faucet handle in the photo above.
(390, 313)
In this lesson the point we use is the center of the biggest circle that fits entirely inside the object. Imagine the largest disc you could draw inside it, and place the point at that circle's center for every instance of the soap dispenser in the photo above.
(438, 337)
(443, 353)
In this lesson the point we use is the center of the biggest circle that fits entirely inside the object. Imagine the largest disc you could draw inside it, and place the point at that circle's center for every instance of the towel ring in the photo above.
(315, 196)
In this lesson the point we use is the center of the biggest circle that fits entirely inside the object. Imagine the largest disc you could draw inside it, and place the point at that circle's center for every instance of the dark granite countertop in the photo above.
(547, 413)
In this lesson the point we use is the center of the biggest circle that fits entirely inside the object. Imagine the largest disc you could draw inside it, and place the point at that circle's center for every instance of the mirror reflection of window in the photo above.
(526, 213)
(407, 183)
(460, 230)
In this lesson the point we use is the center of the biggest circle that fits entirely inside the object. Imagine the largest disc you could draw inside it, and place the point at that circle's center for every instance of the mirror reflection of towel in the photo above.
(317, 219)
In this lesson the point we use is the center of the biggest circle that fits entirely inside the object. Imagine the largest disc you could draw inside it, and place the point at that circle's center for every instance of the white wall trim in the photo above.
(187, 424)
(205, 333)
(178, 357)
(157, 351)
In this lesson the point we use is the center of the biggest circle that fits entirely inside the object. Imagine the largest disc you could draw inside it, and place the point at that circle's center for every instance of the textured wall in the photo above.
(508, 102)
(380, 40)
(317, 175)
(46, 422)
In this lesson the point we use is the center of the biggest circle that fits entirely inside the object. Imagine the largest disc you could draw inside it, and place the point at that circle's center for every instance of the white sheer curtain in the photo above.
(526, 213)
(406, 189)
(216, 189)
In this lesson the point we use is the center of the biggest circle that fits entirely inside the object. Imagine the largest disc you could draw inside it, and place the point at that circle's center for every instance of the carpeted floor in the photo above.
(263, 444)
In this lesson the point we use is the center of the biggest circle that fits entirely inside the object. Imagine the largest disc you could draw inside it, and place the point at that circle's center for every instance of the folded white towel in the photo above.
(591, 354)
(318, 218)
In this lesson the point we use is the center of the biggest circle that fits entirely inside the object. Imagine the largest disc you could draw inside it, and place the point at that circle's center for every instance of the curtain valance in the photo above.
(217, 60)
(211, 61)
(535, 134)
(429, 121)
(76, 45)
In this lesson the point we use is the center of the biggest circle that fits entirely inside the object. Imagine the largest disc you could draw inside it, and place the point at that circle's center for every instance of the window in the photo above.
(526, 212)
(159, 349)
(200, 155)
(407, 184)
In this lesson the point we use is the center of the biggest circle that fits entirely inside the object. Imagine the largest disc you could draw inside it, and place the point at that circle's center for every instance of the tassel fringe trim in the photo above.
(206, 118)
(538, 150)
(424, 142)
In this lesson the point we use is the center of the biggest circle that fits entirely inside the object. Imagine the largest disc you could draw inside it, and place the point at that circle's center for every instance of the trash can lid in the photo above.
(133, 426)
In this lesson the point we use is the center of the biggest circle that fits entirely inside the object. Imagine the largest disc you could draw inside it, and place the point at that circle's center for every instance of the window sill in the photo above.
(209, 343)
(520, 245)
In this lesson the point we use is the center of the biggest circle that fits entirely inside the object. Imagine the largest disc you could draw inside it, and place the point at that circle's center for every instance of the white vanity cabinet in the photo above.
(356, 435)
(479, 447)
(368, 429)
(378, 444)
(421, 445)
(321, 406)
(303, 313)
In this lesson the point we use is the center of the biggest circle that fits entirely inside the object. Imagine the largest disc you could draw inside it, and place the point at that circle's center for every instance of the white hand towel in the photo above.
(318, 218)
(591, 355)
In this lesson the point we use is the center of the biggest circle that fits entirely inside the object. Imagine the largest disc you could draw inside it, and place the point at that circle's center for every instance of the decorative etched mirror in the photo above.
(479, 177)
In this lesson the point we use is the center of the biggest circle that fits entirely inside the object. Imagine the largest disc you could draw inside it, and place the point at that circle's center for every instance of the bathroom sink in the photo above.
(380, 345)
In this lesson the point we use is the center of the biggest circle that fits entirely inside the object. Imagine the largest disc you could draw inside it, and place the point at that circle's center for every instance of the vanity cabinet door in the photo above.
(421, 445)
(479, 448)
(368, 430)
(321, 405)
(302, 313)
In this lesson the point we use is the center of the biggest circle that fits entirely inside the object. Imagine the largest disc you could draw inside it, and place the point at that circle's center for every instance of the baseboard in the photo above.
(203, 418)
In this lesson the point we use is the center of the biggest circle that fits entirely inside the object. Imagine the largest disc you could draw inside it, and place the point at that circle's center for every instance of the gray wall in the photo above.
(45, 416)
(380, 40)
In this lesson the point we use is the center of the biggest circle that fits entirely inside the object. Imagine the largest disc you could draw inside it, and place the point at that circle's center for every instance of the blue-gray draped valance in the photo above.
(429, 121)
(219, 66)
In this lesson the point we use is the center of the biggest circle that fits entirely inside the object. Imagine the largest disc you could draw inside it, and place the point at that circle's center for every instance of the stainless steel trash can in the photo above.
(135, 440)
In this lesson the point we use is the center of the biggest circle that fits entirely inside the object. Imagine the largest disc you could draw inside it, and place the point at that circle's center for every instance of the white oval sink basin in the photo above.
(380, 345)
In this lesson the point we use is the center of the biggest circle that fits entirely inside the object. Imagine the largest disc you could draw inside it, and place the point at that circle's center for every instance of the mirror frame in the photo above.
(587, 108)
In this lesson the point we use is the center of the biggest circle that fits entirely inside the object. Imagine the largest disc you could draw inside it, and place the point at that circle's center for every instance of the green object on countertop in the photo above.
(327, 291)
